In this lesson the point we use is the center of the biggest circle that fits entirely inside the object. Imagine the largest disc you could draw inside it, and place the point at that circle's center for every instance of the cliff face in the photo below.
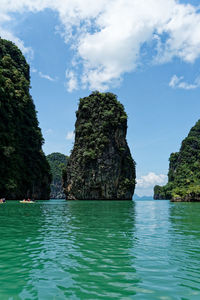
(184, 171)
(57, 162)
(100, 165)
(24, 170)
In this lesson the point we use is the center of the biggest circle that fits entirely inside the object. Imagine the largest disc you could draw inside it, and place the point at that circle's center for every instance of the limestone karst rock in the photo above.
(184, 171)
(57, 162)
(24, 170)
(100, 165)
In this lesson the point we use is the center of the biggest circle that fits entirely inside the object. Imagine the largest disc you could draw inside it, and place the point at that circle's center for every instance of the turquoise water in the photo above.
(100, 250)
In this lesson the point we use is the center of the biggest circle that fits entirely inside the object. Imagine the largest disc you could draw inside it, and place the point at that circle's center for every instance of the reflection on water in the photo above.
(100, 250)
(103, 233)
(19, 241)
(185, 247)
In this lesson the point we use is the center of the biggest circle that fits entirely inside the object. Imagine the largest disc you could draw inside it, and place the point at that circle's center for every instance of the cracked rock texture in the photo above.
(100, 166)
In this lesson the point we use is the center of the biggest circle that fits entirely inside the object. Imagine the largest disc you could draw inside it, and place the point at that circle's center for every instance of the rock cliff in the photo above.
(184, 171)
(100, 166)
(24, 170)
(57, 162)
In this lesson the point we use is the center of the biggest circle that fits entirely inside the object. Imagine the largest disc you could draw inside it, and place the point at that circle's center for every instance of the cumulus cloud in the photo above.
(178, 82)
(107, 36)
(146, 183)
(5, 34)
(150, 180)
(70, 135)
(72, 82)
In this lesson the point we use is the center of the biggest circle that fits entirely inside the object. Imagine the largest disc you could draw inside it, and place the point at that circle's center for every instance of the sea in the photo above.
(60, 249)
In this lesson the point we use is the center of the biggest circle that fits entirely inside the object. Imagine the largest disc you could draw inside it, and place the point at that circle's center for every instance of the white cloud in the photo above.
(183, 34)
(178, 82)
(146, 183)
(107, 36)
(72, 82)
(5, 34)
(70, 135)
(34, 70)
(175, 81)
(45, 76)
(150, 180)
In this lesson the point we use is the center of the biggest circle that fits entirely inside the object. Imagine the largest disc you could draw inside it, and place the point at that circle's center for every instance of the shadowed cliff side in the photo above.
(184, 171)
(100, 165)
(24, 170)
(57, 162)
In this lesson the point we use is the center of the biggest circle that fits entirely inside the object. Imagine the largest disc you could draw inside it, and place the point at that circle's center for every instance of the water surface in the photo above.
(100, 250)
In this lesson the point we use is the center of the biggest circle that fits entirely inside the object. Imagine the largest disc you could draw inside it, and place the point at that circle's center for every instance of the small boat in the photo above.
(24, 201)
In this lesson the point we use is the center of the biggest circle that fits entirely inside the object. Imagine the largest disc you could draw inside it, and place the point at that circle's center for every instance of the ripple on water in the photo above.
(100, 250)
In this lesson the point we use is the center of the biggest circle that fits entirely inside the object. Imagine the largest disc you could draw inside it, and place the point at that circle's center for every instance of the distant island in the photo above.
(24, 170)
(100, 166)
(57, 162)
(184, 171)
(142, 198)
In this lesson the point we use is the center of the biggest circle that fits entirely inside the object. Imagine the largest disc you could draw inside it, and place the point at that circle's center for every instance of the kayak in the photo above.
(26, 201)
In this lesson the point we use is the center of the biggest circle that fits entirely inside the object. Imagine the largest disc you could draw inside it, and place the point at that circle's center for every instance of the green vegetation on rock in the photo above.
(100, 165)
(57, 162)
(184, 171)
(24, 170)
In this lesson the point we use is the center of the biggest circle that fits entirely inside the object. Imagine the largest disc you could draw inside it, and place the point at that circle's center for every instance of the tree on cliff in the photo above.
(184, 171)
(57, 162)
(24, 170)
(100, 165)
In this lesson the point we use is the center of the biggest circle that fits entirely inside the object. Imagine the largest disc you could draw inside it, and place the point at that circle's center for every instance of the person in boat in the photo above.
(4, 200)
(1, 200)
(28, 199)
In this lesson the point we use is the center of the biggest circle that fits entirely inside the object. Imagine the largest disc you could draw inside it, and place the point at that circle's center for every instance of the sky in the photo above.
(145, 52)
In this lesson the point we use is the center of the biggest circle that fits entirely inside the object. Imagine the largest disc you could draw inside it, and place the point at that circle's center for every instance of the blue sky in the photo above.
(149, 57)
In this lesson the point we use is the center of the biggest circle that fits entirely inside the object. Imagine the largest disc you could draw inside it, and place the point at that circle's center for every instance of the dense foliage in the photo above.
(57, 162)
(97, 116)
(184, 170)
(100, 149)
(24, 170)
